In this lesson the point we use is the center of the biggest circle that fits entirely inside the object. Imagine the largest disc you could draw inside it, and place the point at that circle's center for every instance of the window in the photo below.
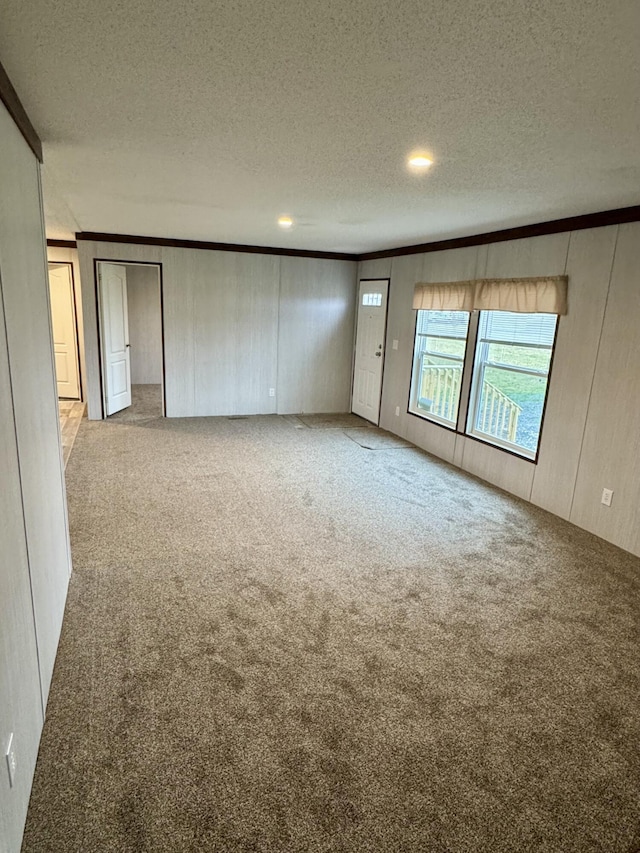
(441, 338)
(506, 369)
(510, 375)
(373, 300)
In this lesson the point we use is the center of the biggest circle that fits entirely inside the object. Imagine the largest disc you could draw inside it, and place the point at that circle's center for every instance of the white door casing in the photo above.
(114, 336)
(370, 344)
(65, 333)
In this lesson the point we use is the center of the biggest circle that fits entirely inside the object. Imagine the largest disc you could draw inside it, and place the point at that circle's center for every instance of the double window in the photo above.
(484, 373)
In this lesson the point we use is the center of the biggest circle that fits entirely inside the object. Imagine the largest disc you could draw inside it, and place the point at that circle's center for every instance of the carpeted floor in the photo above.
(279, 640)
(146, 403)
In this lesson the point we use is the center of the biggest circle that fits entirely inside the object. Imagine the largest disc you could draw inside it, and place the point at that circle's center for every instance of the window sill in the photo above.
(423, 417)
(512, 451)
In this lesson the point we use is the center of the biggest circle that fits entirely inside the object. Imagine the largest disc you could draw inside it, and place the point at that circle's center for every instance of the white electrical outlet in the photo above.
(607, 495)
(272, 392)
(397, 411)
(12, 765)
(394, 345)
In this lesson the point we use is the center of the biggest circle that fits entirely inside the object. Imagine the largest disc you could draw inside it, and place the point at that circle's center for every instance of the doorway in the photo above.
(370, 346)
(65, 330)
(131, 339)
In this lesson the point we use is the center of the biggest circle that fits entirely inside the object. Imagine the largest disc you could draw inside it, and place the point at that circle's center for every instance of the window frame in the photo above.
(443, 422)
(466, 406)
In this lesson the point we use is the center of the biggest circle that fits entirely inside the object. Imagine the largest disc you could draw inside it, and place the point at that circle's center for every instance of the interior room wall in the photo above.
(238, 325)
(315, 335)
(70, 256)
(590, 437)
(145, 324)
(33, 530)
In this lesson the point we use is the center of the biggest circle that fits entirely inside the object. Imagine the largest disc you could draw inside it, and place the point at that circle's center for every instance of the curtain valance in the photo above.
(546, 295)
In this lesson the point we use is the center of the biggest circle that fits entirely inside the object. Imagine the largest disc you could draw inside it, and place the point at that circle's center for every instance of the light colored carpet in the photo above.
(376, 439)
(277, 640)
(146, 403)
(333, 421)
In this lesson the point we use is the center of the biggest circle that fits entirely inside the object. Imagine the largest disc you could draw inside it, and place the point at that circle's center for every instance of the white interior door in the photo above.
(370, 341)
(114, 328)
(65, 333)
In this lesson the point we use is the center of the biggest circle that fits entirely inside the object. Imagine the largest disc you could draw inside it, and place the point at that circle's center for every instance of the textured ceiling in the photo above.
(206, 120)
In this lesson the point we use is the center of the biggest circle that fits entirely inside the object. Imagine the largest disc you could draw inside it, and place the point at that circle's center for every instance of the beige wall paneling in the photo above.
(28, 321)
(316, 335)
(87, 252)
(235, 332)
(505, 470)
(431, 437)
(377, 268)
(70, 256)
(481, 260)
(145, 325)
(20, 697)
(451, 265)
(545, 255)
(221, 325)
(589, 268)
(180, 268)
(93, 393)
(458, 453)
(406, 270)
(611, 447)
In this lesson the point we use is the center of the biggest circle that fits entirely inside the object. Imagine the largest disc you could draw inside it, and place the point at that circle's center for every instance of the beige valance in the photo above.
(546, 295)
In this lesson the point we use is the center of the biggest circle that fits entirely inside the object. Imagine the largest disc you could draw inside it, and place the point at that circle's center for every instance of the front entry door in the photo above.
(114, 326)
(370, 341)
(65, 338)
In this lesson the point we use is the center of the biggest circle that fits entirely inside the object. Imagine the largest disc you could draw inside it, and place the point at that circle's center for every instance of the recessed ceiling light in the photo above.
(420, 161)
(285, 222)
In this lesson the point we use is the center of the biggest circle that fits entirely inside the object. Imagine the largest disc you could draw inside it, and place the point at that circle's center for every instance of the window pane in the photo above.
(445, 347)
(372, 299)
(438, 361)
(510, 378)
(511, 407)
(536, 329)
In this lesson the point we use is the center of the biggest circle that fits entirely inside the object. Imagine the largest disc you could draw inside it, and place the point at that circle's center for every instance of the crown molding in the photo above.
(216, 247)
(572, 223)
(10, 99)
(62, 244)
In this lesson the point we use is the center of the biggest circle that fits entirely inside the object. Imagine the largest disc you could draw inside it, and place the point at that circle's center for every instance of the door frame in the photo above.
(157, 264)
(75, 320)
(386, 278)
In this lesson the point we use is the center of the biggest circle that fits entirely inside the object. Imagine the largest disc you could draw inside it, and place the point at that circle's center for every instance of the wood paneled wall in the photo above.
(590, 438)
(33, 530)
(145, 324)
(237, 325)
(315, 335)
(611, 447)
